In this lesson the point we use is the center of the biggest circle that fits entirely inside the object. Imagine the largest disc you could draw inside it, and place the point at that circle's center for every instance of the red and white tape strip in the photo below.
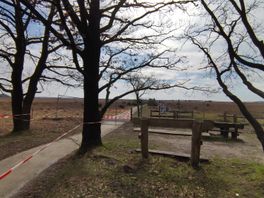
(5, 116)
(122, 116)
(2, 176)
(2, 116)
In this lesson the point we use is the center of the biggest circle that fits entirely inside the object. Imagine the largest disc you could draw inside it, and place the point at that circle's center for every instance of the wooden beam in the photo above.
(144, 137)
(196, 144)
(173, 154)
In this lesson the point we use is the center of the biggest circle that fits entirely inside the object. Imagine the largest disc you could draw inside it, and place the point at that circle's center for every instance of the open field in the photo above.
(214, 106)
(211, 110)
(51, 118)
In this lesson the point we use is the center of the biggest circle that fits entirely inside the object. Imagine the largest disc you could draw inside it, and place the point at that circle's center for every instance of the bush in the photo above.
(152, 102)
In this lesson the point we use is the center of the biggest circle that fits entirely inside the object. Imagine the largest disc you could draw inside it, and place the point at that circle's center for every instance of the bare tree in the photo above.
(19, 38)
(121, 67)
(140, 85)
(232, 43)
(88, 26)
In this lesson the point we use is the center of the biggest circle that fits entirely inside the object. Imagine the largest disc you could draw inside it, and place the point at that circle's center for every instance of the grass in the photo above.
(116, 171)
(41, 132)
(203, 116)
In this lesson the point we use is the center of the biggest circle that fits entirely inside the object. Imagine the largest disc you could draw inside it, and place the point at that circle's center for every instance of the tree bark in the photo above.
(17, 99)
(138, 103)
(16, 77)
(91, 134)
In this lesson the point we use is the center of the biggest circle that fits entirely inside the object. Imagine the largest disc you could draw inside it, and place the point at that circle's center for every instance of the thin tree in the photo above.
(235, 28)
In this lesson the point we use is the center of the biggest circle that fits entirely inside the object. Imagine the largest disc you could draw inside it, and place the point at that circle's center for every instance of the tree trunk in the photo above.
(91, 134)
(17, 69)
(138, 103)
(17, 100)
(26, 112)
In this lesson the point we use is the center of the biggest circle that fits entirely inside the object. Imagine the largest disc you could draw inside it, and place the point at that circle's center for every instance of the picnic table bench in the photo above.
(225, 128)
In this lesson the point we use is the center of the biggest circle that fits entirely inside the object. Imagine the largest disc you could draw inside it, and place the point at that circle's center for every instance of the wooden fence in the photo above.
(172, 114)
(197, 129)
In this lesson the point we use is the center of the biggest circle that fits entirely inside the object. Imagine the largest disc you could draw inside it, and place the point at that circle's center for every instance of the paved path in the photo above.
(26, 172)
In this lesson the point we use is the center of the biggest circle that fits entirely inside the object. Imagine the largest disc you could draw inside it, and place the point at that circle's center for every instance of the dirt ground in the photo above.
(246, 148)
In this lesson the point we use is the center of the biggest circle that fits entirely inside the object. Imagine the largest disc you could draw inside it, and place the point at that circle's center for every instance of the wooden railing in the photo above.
(196, 127)
(172, 114)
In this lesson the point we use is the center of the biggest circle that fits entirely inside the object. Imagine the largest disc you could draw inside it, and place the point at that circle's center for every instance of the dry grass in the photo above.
(51, 118)
(115, 171)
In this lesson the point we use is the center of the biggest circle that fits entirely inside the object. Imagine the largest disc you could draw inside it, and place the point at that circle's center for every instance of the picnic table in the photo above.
(226, 128)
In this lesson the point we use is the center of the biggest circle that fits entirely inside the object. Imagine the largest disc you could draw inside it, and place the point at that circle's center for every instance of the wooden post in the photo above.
(224, 132)
(196, 143)
(225, 117)
(57, 106)
(234, 134)
(177, 115)
(131, 113)
(235, 118)
(174, 114)
(141, 110)
(144, 137)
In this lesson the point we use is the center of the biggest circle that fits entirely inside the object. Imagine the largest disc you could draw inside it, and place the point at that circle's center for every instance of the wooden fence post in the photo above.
(235, 118)
(131, 113)
(32, 113)
(144, 137)
(225, 117)
(196, 143)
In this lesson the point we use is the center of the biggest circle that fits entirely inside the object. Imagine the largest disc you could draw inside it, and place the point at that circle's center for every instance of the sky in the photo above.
(194, 60)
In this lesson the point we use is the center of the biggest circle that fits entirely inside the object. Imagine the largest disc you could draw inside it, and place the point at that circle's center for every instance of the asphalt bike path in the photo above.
(31, 169)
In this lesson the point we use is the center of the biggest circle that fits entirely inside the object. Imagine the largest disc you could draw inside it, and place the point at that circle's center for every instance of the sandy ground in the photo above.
(246, 146)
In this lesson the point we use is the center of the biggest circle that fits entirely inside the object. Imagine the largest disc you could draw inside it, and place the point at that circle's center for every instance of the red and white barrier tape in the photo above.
(2, 176)
(5, 116)
(123, 116)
